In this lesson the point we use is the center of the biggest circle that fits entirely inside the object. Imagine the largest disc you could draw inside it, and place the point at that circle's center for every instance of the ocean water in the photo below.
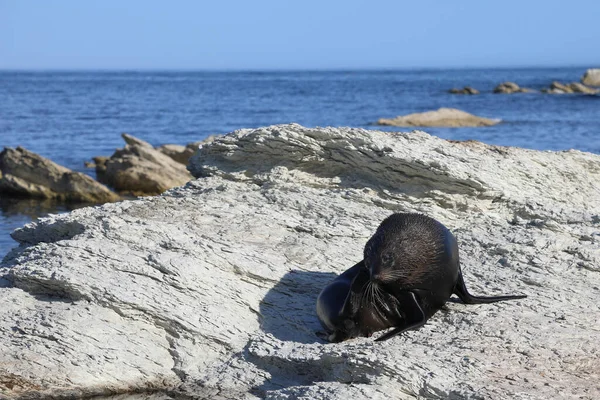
(70, 117)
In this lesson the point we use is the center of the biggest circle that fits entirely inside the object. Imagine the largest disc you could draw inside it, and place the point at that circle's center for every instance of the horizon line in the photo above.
(310, 69)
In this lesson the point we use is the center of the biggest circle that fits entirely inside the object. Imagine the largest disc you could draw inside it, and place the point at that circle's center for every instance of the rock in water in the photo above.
(24, 173)
(209, 289)
(558, 87)
(182, 154)
(465, 90)
(443, 117)
(591, 77)
(507, 88)
(133, 141)
(511, 87)
(176, 152)
(575, 87)
(139, 169)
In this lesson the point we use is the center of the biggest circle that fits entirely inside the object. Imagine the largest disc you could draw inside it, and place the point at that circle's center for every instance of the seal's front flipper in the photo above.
(324, 335)
(461, 291)
(410, 311)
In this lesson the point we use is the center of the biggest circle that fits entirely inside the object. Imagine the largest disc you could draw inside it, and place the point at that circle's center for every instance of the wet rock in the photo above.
(465, 90)
(443, 117)
(24, 173)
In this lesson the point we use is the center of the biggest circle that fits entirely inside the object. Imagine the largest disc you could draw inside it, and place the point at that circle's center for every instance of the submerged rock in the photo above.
(443, 117)
(591, 77)
(209, 290)
(139, 169)
(27, 174)
(465, 90)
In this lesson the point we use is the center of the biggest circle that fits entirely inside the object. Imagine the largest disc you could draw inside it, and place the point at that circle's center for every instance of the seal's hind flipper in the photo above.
(461, 291)
(411, 313)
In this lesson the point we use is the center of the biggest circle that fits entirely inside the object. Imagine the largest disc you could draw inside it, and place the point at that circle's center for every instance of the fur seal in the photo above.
(409, 270)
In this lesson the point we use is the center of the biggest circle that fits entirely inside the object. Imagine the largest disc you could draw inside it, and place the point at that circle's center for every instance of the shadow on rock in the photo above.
(35, 208)
(289, 308)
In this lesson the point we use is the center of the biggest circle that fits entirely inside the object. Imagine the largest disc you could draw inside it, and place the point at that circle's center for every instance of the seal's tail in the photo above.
(461, 291)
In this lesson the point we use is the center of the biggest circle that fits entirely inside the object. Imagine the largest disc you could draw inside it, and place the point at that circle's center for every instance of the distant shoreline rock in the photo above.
(555, 87)
(138, 169)
(511, 87)
(141, 170)
(443, 117)
(182, 154)
(27, 174)
(591, 77)
(466, 90)
(574, 87)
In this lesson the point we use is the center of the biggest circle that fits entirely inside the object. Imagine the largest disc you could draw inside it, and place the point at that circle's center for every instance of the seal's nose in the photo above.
(376, 275)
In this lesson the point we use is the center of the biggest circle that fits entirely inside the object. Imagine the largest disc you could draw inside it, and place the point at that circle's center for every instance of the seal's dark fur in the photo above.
(410, 269)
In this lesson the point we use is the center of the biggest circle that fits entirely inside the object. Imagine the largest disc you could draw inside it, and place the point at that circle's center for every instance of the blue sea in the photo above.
(70, 117)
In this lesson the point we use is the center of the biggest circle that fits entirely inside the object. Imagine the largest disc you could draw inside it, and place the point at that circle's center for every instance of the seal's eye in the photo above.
(387, 258)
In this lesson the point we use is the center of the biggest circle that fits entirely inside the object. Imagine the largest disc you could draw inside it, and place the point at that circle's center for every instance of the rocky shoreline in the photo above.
(138, 169)
(590, 79)
(208, 290)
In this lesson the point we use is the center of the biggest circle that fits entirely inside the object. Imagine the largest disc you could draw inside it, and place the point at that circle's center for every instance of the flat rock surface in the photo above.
(209, 290)
(443, 117)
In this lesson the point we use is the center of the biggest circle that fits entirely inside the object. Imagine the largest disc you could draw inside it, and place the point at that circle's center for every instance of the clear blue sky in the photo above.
(302, 34)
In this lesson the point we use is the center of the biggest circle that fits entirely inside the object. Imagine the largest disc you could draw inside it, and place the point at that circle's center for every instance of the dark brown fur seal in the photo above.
(410, 269)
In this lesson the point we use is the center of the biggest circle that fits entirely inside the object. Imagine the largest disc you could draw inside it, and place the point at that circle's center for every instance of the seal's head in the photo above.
(403, 248)
(382, 258)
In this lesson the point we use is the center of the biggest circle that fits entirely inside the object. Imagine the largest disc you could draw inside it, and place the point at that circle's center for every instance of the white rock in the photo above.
(209, 290)
(591, 77)
(444, 117)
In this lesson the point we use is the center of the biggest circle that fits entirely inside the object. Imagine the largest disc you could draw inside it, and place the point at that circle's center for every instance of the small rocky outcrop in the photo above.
(577, 87)
(558, 88)
(443, 117)
(511, 87)
(574, 87)
(591, 77)
(465, 90)
(176, 151)
(209, 290)
(141, 170)
(27, 174)
(182, 154)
